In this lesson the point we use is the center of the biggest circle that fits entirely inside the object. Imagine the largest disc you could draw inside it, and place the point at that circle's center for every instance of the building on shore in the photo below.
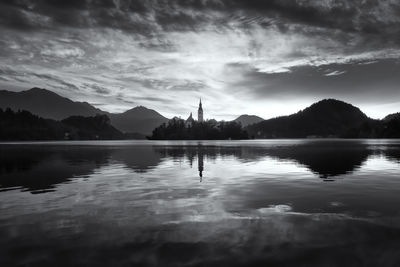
(200, 113)
(189, 121)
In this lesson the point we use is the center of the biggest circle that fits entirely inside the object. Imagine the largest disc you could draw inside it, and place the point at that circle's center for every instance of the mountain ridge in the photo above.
(325, 118)
(47, 104)
(246, 119)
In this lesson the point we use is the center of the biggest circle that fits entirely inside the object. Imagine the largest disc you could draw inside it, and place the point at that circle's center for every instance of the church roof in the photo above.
(190, 118)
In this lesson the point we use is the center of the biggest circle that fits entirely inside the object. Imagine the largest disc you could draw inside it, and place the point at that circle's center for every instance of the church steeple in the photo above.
(200, 112)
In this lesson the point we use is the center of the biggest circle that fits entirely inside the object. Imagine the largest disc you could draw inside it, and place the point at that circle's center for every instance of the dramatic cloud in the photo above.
(241, 56)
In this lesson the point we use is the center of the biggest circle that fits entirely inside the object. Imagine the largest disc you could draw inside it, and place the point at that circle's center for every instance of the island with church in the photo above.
(200, 129)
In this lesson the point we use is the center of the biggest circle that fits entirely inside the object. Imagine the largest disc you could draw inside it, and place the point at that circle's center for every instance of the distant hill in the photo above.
(46, 104)
(326, 118)
(23, 125)
(246, 120)
(139, 121)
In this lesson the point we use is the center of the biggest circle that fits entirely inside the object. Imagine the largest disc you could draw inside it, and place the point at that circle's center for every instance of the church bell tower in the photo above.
(200, 113)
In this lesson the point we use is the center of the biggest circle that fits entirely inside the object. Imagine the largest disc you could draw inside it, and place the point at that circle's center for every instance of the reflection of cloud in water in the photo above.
(143, 205)
(247, 239)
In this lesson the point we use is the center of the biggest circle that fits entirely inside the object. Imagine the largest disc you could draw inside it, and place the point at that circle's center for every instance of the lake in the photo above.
(200, 203)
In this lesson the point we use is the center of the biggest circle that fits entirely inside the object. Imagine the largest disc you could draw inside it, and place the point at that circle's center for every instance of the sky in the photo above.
(263, 57)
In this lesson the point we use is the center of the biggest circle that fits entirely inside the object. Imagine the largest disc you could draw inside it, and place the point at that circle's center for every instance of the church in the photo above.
(189, 121)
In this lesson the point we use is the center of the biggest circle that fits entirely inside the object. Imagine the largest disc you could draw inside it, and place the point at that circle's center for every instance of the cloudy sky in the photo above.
(263, 57)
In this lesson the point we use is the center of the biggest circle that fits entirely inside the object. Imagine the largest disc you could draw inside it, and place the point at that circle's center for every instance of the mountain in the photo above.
(46, 104)
(326, 118)
(49, 105)
(246, 120)
(138, 120)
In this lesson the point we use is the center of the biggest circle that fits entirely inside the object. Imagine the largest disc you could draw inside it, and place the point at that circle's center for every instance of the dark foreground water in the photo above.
(253, 203)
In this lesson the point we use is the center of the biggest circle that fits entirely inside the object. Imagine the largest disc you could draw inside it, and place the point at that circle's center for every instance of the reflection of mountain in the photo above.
(326, 159)
(393, 153)
(39, 169)
(138, 158)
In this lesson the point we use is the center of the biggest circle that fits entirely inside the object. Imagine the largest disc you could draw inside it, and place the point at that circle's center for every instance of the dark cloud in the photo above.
(336, 15)
(377, 17)
(156, 99)
(63, 84)
(26, 76)
(16, 18)
(364, 81)
(97, 88)
(359, 25)
(158, 48)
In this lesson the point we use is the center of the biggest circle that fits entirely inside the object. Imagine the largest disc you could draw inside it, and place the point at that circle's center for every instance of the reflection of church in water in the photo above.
(200, 161)
(200, 152)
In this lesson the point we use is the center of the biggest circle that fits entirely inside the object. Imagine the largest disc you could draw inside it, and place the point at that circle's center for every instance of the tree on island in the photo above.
(178, 129)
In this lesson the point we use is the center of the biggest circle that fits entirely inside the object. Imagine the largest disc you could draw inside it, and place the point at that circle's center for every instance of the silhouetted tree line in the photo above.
(23, 125)
(386, 128)
(327, 118)
(177, 129)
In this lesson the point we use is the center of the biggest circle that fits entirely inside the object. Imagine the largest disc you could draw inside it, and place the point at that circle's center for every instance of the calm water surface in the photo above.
(233, 203)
